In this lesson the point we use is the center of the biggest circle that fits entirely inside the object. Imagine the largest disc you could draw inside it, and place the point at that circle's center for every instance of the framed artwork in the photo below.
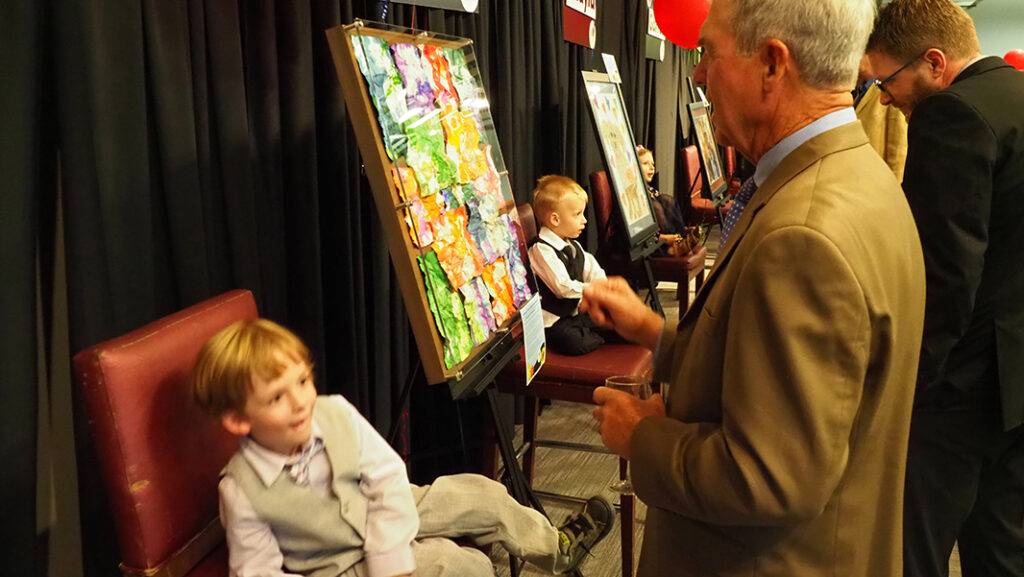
(710, 161)
(432, 157)
(621, 162)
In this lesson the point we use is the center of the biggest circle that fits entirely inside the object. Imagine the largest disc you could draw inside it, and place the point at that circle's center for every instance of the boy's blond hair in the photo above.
(550, 192)
(222, 376)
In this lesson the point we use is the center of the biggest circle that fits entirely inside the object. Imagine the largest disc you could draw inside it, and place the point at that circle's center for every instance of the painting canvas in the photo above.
(441, 189)
(711, 162)
(624, 172)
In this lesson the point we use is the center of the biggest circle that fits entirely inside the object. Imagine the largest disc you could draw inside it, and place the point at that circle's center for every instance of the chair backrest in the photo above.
(528, 221)
(601, 193)
(160, 456)
(730, 163)
(691, 172)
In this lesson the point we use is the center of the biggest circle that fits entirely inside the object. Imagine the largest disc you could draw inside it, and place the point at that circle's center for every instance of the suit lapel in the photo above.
(837, 139)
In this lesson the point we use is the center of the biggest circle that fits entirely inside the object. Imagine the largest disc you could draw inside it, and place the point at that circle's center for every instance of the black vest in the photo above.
(549, 301)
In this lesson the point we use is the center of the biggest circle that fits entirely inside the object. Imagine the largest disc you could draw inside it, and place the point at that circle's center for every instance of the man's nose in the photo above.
(699, 75)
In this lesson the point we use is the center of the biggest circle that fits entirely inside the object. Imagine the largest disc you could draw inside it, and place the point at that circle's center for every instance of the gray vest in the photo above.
(320, 537)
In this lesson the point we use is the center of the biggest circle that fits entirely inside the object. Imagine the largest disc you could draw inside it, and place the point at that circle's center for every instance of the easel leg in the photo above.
(653, 284)
(518, 485)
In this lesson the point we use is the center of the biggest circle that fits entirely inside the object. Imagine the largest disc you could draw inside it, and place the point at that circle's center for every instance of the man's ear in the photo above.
(775, 60)
(937, 62)
(236, 423)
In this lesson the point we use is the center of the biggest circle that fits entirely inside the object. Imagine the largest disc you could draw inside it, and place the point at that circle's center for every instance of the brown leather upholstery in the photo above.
(529, 223)
(160, 456)
(614, 256)
(733, 181)
(700, 210)
(574, 378)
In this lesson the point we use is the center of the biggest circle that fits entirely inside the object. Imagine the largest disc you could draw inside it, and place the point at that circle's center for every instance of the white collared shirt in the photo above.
(781, 150)
(391, 523)
(545, 264)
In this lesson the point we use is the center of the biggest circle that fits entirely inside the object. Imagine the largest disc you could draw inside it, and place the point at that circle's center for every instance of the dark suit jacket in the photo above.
(784, 447)
(964, 181)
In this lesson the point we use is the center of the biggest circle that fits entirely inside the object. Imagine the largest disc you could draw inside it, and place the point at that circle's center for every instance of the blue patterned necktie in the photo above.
(742, 198)
(299, 470)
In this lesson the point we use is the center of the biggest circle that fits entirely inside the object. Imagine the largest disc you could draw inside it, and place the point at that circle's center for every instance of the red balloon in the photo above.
(680, 20)
(1015, 58)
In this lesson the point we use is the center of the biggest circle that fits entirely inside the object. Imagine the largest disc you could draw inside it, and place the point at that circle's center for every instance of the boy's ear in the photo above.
(236, 423)
(553, 219)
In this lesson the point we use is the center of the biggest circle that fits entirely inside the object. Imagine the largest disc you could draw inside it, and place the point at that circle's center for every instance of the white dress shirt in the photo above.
(391, 518)
(545, 263)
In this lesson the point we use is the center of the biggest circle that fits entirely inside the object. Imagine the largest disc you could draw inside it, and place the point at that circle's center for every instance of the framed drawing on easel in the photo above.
(432, 157)
(710, 161)
(622, 163)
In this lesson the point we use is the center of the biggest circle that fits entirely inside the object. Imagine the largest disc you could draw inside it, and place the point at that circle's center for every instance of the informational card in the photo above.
(534, 346)
(611, 68)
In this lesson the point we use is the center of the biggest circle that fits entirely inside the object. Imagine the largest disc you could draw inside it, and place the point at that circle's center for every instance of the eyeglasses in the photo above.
(881, 83)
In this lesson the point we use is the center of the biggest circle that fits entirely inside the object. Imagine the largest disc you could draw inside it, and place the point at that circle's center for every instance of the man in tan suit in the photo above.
(781, 448)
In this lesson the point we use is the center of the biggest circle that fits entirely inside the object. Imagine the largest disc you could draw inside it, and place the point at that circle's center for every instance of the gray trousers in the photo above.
(480, 510)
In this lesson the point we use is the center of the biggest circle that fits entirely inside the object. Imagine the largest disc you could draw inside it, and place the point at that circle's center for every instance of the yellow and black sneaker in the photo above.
(581, 531)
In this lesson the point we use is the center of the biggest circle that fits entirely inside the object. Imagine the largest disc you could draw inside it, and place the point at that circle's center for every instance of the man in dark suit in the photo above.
(965, 183)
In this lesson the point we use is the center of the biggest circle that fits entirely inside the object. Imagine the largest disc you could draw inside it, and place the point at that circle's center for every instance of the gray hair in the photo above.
(826, 37)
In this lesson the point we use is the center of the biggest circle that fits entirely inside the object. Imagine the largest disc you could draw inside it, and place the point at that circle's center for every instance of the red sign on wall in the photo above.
(579, 20)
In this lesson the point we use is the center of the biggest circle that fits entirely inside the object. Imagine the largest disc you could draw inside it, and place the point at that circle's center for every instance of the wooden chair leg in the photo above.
(627, 518)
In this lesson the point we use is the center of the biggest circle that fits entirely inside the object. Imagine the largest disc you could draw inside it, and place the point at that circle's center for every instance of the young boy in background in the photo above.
(314, 489)
(563, 267)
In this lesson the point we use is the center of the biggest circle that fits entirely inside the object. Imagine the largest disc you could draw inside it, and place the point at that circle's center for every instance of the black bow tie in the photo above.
(567, 251)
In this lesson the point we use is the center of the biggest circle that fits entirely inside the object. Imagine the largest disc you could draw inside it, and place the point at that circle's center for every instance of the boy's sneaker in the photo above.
(583, 530)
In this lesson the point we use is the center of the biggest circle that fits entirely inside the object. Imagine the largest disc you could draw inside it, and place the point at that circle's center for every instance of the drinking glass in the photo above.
(639, 387)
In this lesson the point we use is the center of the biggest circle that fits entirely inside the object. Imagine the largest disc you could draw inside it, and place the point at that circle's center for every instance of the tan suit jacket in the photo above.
(792, 377)
(886, 128)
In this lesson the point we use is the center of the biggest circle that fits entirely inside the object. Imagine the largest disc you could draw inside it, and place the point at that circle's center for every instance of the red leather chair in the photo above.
(730, 172)
(613, 255)
(160, 456)
(574, 379)
(700, 209)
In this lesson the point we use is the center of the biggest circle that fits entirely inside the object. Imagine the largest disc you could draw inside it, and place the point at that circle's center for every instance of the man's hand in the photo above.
(619, 413)
(612, 303)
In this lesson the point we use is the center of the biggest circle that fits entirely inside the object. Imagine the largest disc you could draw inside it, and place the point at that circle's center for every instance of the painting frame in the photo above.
(711, 164)
(622, 163)
(384, 163)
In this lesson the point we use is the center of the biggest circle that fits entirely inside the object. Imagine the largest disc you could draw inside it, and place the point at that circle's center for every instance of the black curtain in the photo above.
(21, 135)
(200, 146)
